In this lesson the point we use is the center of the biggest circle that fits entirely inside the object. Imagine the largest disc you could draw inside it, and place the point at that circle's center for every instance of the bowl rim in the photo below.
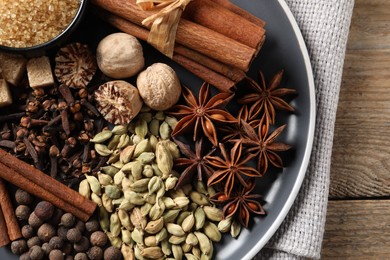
(47, 44)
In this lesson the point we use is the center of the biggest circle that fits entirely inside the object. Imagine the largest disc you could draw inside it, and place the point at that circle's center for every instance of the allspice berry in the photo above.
(95, 253)
(98, 238)
(27, 231)
(82, 245)
(80, 225)
(56, 218)
(44, 210)
(68, 220)
(92, 226)
(56, 242)
(62, 232)
(112, 253)
(22, 212)
(46, 248)
(56, 254)
(18, 247)
(23, 198)
(25, 256)
(46, 232)
(34, 221)
(36, 253)
(81, 256)
(34, 241)
(74, 235)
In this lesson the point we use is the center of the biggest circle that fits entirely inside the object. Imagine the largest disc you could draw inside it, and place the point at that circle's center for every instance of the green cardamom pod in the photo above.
(137, 219)
(126, 205)
(117, 202)
(224, 225)
(126, 154)
(171, 215)
(126, 183)
(140, 185)
(114, 157)
(166, 247)
(165, 131)
(145, 209)
(171, 121)
(95, 198)
(181, 202)
(114, 240)
(177, 252)
(104, 179)
(157, 210)
(172, 148)
(148, 171)
(200, 218)
(235, 229)
(102, 150)
(104, 219)
(201, 187)
(196, 252)
(94, 184)
(145, 116)
(160, 116)
(211, 191)
(136, 170)
(118, 178)
(150, 198)
(177, 193)
(199, 198)
(150, 241)
(175, 229)
(136, 139)
(176, 240)
(192, 239)
(84, 189)
(102, 136)
(154, 127)
(183, 215)
(118, 164)
(112, 191)
(134, 197)
(153, 252)
(154, 184)
(153, 142)
(213, 214)
(211, 230)
(186, 247)
(161, 235)
(141, 128)
(110, 170)
(156, 170)
(115, 225)
(124, 141)
(170, 183)
(190, 256)
(124, 218)
(113, 143)
(141, 147)
(137, 252)
(107, 203)
(127, 252)
(146, 157)
(119, 129)
(138, 236)
(204, 243)
(126, 237)
(168, 202)
(192, 206)
(154, 226)
(164, 160)
(188, 223)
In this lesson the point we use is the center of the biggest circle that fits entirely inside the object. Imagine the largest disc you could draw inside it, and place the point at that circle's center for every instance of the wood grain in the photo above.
(361, 152)
(357, 229)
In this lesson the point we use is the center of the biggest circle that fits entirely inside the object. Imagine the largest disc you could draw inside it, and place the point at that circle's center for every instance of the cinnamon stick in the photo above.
(47, 183)
(8, 212)
(189, 34)
(4, 238)
(241, 12)
(220, 19)
(219, 75)
(17, 179)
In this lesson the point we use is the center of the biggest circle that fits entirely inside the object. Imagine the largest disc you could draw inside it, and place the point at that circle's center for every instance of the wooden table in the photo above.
(358, 219)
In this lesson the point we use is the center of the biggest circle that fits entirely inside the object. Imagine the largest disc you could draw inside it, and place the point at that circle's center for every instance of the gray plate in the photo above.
(284, 49)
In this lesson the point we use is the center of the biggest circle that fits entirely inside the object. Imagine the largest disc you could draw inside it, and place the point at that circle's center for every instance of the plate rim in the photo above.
(309, 146)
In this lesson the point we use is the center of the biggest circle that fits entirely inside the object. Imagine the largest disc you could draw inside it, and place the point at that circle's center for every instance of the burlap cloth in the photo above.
(325, 26)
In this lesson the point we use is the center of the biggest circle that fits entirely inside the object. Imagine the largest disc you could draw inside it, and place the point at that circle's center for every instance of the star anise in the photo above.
(204, 113)
(266, 99)
(236, 131)
(195, 163)
(241, 203)
(231, 167)
(263, 146)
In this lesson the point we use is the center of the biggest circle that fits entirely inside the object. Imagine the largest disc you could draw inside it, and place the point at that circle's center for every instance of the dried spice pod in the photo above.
(118, 101)
(75, 65)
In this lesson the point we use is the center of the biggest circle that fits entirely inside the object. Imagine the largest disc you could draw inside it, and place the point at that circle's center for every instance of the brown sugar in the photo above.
(26, 23)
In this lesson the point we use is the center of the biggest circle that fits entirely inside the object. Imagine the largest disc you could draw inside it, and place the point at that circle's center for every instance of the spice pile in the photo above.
(169, 170)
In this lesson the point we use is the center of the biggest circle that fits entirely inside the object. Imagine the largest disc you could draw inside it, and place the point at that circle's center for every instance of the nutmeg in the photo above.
(159, 86)
(120, 55)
